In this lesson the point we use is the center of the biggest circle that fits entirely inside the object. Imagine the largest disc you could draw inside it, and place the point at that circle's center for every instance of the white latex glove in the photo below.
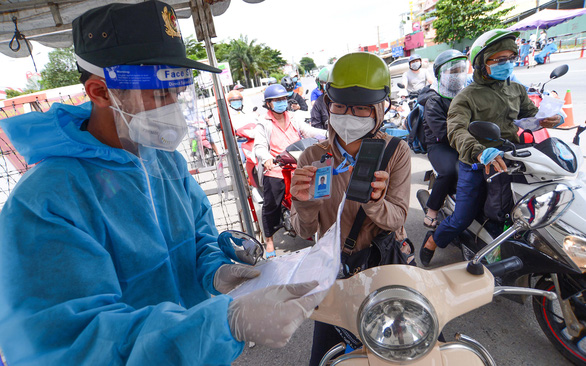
(271, 315)
(229, 276)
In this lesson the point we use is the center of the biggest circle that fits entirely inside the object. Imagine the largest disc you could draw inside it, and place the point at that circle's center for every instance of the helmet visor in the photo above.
(452, 78)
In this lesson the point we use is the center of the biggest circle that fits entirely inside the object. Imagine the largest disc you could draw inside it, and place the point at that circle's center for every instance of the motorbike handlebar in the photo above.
(500, 268)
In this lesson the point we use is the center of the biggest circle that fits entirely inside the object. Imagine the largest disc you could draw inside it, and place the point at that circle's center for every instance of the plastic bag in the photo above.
(320, 262)
(549, 106)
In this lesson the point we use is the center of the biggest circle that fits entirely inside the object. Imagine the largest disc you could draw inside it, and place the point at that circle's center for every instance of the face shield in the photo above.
(452, 78)
(151, 104)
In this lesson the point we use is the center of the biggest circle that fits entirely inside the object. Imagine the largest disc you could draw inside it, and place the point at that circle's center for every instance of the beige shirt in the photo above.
(388, 213)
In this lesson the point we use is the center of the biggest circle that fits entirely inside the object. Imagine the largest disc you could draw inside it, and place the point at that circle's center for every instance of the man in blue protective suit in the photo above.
(108, 246)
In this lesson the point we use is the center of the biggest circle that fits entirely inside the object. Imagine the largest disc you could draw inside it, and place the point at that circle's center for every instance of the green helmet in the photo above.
(359, 78)
(322, 77)
(486, 39)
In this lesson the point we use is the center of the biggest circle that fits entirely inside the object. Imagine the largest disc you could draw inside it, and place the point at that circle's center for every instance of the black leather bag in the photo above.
(384, 249)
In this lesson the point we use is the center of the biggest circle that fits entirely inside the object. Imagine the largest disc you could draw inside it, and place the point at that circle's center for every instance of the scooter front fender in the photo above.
(443, 354)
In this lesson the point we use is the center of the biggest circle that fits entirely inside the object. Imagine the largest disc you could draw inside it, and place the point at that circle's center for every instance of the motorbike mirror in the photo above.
(485, 130)
(301, 145)
(240, 247)
(254, 109)
(536, 209)
(559, 71)
(543, 206)
(400, 85)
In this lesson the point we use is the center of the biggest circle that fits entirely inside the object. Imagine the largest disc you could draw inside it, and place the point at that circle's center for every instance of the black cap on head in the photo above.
(132, 34)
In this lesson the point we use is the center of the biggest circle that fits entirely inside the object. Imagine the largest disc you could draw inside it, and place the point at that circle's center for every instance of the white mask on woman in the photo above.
(351, 128)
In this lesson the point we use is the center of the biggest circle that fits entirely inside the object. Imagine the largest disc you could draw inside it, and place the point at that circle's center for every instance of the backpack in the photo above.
(416, 138)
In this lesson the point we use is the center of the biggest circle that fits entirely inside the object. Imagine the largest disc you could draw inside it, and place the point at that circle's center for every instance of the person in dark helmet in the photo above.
(273, 134)
(491, 97)
(417, 77)
(109, 246)
(296, 101)
(450, 69)
(357, 89)
(319, 110)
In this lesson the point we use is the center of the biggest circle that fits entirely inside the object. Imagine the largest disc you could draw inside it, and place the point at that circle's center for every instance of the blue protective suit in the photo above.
(89, 275)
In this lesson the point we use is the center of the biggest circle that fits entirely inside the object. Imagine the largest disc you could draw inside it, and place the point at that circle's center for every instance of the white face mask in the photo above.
(161, 128)
(351, 128)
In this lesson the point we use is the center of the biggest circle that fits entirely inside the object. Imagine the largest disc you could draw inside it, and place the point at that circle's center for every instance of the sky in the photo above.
(319, 29)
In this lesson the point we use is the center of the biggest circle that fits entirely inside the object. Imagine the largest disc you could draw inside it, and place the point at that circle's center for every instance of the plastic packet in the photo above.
(320, 186)
(320, 262)
(549, 106)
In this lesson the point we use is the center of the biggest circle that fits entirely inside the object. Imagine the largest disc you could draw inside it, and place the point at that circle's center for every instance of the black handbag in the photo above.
(384, 248)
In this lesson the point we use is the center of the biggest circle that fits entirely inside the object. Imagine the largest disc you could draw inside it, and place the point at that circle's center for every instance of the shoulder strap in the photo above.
(350, 241)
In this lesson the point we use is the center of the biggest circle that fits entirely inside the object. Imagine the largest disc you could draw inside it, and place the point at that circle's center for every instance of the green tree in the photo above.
(11, 93)
(460, 19)
(222, 51)
(61, 69)
(194, 49)
(307, 63)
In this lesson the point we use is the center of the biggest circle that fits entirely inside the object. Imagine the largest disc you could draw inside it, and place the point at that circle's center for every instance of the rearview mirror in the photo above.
(240, 247)
(543, 206)
(559, 71)
(485, 130)
(400, 85)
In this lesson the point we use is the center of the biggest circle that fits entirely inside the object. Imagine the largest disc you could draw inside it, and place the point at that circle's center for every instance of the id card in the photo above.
(321, 185)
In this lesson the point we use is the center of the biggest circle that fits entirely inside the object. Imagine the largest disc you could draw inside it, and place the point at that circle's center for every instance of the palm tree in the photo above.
(241, 58)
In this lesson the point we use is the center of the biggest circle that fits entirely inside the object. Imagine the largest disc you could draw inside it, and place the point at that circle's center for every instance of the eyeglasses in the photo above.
(357, 110)
(503, 60)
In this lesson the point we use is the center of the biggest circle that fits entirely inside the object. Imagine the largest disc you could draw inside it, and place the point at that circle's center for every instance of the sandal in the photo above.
(432, 222)
(425, 254)
(270, 254)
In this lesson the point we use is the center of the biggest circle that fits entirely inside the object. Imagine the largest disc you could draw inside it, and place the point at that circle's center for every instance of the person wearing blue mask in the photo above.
(295, 101)
(278, 130)
(109, 246)
(491, 97)
(294, 75)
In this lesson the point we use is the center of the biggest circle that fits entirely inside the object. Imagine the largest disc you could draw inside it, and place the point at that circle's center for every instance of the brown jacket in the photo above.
(388, 213)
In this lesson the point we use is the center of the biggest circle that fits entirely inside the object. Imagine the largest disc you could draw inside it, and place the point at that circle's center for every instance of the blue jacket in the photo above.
(97, 270)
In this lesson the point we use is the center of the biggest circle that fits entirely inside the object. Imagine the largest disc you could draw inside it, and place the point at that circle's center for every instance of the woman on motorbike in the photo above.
(492, 97)
(450, 70)
(358, 86)
(273, 134)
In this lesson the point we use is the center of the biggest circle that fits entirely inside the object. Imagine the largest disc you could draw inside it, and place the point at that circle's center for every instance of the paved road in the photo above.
(507, 329)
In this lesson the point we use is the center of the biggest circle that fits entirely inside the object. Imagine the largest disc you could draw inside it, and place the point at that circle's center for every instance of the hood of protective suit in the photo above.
(56, 133)
(379, 114)
(505, 44)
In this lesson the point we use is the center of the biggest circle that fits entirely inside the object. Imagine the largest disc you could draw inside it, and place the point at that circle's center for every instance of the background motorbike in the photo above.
(201, 147)
(288, 161)
(398, 311)
(549, 262)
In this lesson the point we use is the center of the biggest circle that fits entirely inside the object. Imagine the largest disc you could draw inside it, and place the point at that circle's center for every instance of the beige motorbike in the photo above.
(398, 311)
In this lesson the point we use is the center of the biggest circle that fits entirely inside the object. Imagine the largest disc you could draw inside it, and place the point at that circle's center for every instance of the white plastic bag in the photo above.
(320, 262)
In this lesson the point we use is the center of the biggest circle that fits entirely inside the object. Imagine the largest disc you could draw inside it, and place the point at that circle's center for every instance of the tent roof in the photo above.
(547, 18)
(49, 22)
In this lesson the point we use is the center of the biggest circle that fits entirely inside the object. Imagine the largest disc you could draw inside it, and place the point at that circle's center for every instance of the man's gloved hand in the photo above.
(229, 276)
(271, 315)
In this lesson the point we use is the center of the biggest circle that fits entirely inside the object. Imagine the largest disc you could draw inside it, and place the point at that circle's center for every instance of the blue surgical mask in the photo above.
(295, 79)
(236, 104)
(280, 106)
(501, 72)
(290, 93)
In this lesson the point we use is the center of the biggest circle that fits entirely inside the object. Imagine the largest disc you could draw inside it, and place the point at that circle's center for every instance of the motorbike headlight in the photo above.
(575, 247)
(398, 324)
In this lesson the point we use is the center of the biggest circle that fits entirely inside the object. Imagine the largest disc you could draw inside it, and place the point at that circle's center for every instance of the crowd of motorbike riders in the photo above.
(88, 291)
(349, 105)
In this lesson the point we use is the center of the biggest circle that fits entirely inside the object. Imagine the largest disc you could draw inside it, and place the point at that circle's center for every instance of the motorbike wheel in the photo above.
(549, 316)
(209, 157)
(286, 217)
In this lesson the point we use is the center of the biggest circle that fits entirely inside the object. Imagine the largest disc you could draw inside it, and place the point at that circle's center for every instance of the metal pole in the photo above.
(233, 157)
